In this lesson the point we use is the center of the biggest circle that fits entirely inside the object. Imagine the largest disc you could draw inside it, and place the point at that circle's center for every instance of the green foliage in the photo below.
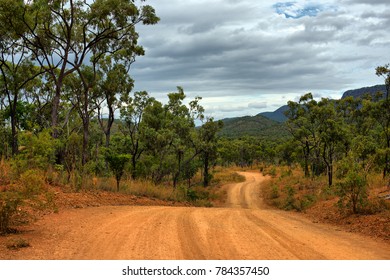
(275, 192)
(352, 186)
(289, 203)
(117, 163)
(37, 151)
(32, 182)
(306, 202)
(9, 203)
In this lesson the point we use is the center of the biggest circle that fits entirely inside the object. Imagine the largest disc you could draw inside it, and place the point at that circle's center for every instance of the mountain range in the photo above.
(270, 125)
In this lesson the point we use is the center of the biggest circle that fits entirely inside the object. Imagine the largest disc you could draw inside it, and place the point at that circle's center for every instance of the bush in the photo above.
(275, 192)
(17, 244)
(352, 187)
(9, 202)
(289, 203)
(306, 201)
(32, 182)
(35, 151)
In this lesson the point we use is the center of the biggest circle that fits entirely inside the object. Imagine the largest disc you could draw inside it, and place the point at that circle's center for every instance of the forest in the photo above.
(68, 114)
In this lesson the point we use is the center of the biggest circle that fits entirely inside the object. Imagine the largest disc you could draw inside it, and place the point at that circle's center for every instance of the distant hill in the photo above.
(270, 125)
(277, 115)
(355, 93)
(258, 126)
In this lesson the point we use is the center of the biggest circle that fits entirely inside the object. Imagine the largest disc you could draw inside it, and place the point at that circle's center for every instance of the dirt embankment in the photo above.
(244, 229)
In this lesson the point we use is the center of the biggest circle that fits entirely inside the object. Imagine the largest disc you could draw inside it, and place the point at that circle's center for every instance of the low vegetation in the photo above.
(288, 189)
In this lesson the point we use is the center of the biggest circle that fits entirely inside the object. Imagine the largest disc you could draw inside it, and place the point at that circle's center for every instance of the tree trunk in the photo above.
(14, 131)
(306, 152)
(117, 184)
(84, 159)
(85, 117)
(206, 178)
(134, 166)
(54, 111)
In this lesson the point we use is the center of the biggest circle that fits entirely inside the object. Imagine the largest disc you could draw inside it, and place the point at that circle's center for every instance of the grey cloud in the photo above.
(234, 48)
(258, 105)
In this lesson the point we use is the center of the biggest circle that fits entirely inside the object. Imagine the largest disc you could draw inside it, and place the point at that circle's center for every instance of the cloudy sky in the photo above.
(244, 57)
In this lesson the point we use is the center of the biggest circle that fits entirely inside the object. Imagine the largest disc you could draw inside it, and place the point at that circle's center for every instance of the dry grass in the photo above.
(18, 243)
(226, 175)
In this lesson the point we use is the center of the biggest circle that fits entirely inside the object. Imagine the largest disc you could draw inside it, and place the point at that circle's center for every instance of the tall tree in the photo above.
(132, 113)
(331, 132)
(303, 126)
(208, 146)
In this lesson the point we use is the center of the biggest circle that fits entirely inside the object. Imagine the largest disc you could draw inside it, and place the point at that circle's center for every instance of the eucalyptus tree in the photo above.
(78, 90)
(208, 142)
(332, 132)
(303, 126)
(132, 114)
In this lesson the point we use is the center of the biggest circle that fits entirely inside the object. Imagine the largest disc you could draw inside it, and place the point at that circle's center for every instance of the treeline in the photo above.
(250, 151)
(345, 139)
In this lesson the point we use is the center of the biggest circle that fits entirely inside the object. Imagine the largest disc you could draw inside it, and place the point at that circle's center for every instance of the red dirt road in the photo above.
(244, 229)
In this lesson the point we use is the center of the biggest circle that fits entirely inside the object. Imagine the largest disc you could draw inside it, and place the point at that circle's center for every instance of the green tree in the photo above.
(352, 186)
(208, 146)
(181, 123)
(132, 113)
(77, 88)
(117, 163)
(303, 126)
(331, 133)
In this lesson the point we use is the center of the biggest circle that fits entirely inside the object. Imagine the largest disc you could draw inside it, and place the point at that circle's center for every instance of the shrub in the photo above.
(17, 244)
(117, 164)
(9, 202)
(306, 201)
(36, 151)
(32, 182)
(352, 187)
(289, 203)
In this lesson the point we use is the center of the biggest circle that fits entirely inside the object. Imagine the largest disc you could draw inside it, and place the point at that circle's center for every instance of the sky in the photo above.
(244, 57)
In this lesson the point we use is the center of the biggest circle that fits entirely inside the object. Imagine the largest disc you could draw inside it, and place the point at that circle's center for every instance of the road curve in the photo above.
(244, 229)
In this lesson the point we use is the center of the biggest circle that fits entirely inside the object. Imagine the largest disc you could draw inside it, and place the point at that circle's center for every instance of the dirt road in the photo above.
(244, 229)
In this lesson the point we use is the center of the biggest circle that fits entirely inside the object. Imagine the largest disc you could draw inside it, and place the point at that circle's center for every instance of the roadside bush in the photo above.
(275, 192)
(306, 202)
(352, 186)
(9, 202)
(289, 203)
(36, 151)
(32, 182)
(18, 243)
